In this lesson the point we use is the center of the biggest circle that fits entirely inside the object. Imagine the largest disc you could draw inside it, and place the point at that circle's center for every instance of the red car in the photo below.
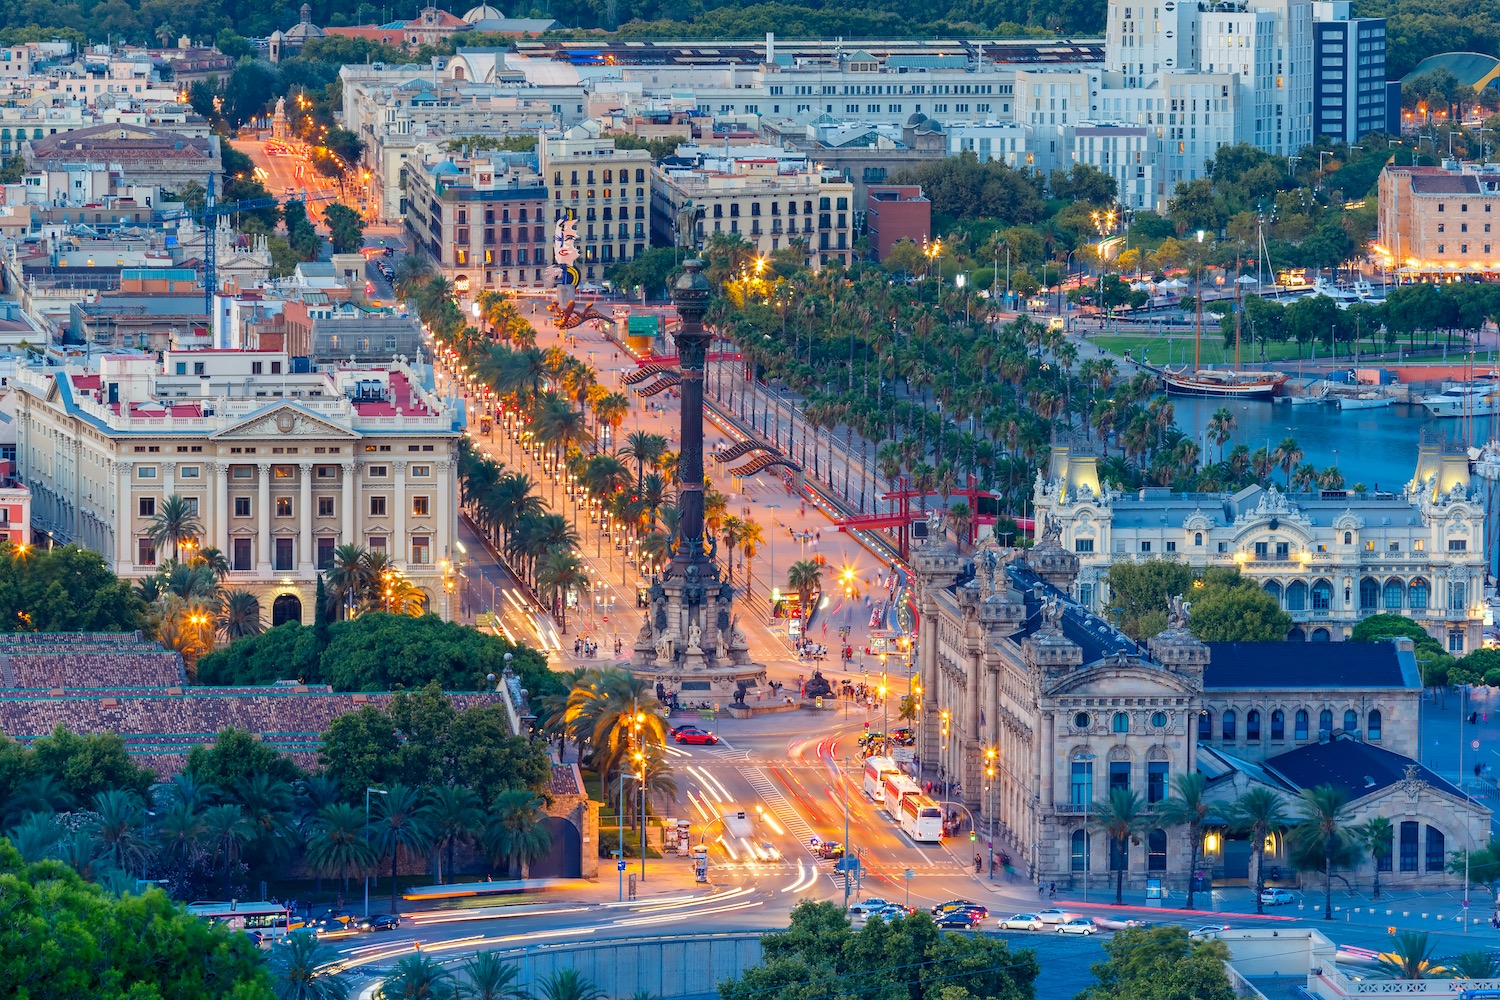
(696, 737)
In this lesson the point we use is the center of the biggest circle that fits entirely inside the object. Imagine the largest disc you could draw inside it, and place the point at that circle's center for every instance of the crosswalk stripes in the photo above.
(777, 803)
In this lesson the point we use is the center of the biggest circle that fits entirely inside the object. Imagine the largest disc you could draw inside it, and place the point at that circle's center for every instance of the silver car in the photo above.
(1021, 922)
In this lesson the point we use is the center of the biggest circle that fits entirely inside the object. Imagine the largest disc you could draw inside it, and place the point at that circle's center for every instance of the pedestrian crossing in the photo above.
(787, 816)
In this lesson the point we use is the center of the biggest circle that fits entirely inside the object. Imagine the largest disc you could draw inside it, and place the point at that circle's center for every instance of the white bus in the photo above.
(270, 919)
(921, 819)
(897, 787)
(877, 769)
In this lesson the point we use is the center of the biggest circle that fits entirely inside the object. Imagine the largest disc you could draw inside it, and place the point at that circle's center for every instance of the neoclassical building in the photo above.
(1071, 709)
(1330, 558)
(280, 464)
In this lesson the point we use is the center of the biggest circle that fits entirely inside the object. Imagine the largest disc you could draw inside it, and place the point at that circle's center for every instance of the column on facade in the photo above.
(973, 695)
(124, 516)
(992, 702)
(400, 544)
(305, 531)
(1049, 762)
(445, 511)
(348, 533)
(219, 499)
(263, 515)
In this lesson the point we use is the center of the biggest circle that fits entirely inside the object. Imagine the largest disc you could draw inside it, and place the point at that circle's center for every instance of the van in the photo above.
(1056, 323)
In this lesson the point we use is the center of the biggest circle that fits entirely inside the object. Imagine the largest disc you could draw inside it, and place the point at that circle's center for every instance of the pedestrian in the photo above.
(1052, 890)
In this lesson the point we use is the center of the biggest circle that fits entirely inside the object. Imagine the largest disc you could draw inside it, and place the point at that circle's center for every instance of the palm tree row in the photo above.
(361, 579)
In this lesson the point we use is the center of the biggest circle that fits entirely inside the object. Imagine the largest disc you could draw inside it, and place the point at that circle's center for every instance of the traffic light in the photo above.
(972, 837)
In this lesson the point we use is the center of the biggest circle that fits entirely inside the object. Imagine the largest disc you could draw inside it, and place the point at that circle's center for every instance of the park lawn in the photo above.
(1177, 348)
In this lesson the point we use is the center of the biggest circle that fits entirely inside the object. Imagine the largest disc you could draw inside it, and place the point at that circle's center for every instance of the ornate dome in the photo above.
(484, 12)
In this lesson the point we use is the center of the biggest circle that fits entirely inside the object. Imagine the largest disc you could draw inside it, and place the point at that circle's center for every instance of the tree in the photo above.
(455, 816)
(401, 824)
(239, 615)
(1239, 611)
(650, 272)
(805, 577)
(1320, 838)
(298, 970)
(1478, 964)
(65, 589)
(1375, 837)
(568, 984)
(86, 766)
(337, 847)
(236, 755)
(1189, 808)
(1259, 814)
(346, 228)
(1409, 957)
(1121, 818)
(417, 977)
(1160, 963)
(489, 977)
(1142, 590)
(513, 831)
(175, 522)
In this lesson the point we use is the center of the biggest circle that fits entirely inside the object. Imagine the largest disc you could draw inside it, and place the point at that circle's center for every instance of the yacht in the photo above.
(1464, 399)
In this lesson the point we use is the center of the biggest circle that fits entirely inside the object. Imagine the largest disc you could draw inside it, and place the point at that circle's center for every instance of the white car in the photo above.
(1021, 922)
(868, 906)
(1207, 932)
(1077, 925)
(1276, 897)
(1053, 916)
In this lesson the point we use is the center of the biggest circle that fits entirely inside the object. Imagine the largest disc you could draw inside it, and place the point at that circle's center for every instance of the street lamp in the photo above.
(989, 775)
(368, 793)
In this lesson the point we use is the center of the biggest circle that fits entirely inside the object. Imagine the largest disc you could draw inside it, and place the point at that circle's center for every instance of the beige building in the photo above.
(1330, 558)
(280, 465)
(482, 220)
(1016, 676)
(762, 201)
(607, 190)
(1440, 220)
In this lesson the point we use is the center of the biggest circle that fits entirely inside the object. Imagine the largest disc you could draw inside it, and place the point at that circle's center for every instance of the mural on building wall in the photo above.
(565, 250)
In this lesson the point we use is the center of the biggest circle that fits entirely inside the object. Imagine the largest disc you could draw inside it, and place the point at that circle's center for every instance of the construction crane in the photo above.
(209, 216)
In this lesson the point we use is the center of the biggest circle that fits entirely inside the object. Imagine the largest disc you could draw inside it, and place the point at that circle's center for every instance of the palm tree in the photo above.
(1473, 965)
(37, 837)
(178, 831)
(456, 815)
(401, 824)
(731, 527)
(960, 517)
(337, 847)
(418, 977)
(1410, 957)
(1320, 835)
(1287, 455)
(1258, 813)
(239, 615)
(1220, 428)
(175, 521)
(752, 537)
(348, 577)
(561, 572)
(488, 977)
(1120, 818)
(117, 830)
(645, 448)
(43, 794)
(653, 494)
(1188, 808)
(567, 984)
(609, 706)
(213, 560)
(804, 576)
(297, 970)
(514, 833)
(1374, 837)
(612, 409)
(224, 827)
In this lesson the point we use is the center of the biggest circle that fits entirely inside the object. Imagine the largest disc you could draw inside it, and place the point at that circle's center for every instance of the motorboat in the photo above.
(1364, 401)
(1464, 399)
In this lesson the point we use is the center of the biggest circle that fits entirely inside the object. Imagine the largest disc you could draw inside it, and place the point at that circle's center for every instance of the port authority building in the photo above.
(1329, 557)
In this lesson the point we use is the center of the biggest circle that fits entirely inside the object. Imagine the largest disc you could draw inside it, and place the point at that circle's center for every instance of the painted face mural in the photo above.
(565, 248)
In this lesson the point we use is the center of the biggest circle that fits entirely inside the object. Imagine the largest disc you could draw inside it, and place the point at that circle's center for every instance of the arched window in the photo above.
(1435, 854)
(1369, 593)
(1418, 592)
(1351, 720)
(1395, 595)
(1120, 723)
(1274, 589)
(1348, 538)
(1205, 725)
(1409, 845)
(1300, 730)
(1080, 851)
(1322, 595)
(1374, 726)
(1325, 722)
(1296, 596)
(1252, 725)
(1278, 725)
(1197, 538)
(1229, 721)
(1156, 851)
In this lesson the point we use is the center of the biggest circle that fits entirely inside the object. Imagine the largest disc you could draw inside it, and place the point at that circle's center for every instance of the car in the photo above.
(767, 852)
(590, 290)
(866, 738)
(903, 737)
(1276, 897)
(867, 906)
(1053, 916)
(830, 849)
(1207, 932)
(384, 922)
(956, 904)
(389, 251)
(959, 919)
(696, 737)
(686, 727)
(1021, 922)
(1077, 925)
(1116, 924)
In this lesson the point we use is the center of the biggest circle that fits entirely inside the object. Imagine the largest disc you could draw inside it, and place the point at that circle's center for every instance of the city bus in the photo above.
(897, 787)
(877, 769)
(921, 819)
(270, 919)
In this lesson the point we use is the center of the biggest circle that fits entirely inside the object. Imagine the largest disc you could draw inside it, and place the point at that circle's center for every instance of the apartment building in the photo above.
(486, 222)
(1349, 91)
(608, 190)
(280, 463)
(1441, 220)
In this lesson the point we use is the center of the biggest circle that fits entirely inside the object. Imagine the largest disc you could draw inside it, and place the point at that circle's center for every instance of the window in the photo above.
(377, 542)
(1205, 725)
(1409, 846)
(145, 552)
(421, 550)
(1156, 851)
(1252, 725)
(376, 471)
(1435, 853)
(1082, 791)
(1159, 720)
(1197, 538)
(189, 472)
(1229, 724)
(241, 506)
(1457, 545)
(1348, 538)
(1262, 549)
(1393, 595)
(1120, 723)
(1300, 732)
(1083, 545)
(1374, 727)
(1145, 546)
(1418, 593)
(1325, 722)
(242, 558)
(1351, 720)
(1080, 850)
(148, 506)
(243, 471)
(1369, 593)
(325, 553)
(1296, 596)
(1278, 725)
(377, 506)
(1156, 780)
(146, 472)
(1119, 775)
(420, 506)
(1081, 720)
(1457, 592)
(283, 506)
(283, 558)
(325, 506)
(1322, 595)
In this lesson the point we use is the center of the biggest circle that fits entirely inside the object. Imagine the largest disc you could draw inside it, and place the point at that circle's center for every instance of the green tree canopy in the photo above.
(236, 754)
(1160, 963)
(346, 228)
(1236, 610)
(86, 765)
(1141, 592)
(64, 589)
